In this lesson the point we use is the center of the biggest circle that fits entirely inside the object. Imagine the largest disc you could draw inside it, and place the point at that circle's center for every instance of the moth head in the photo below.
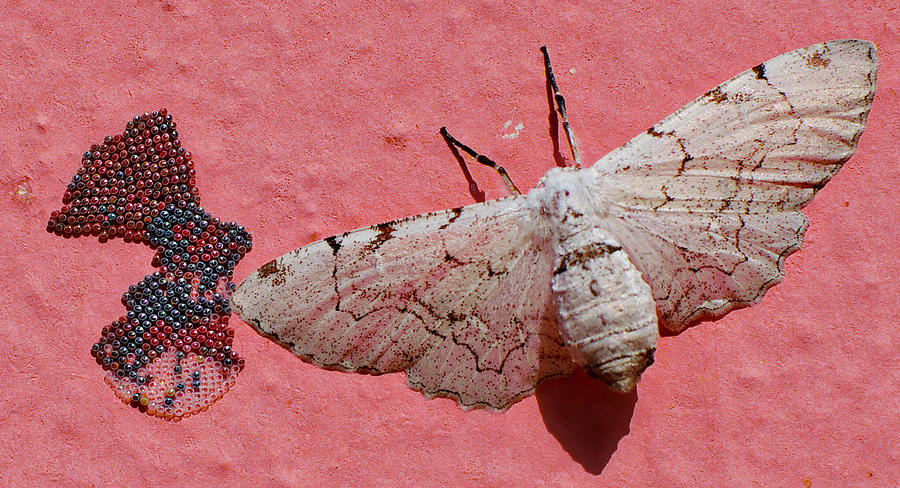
(567, 193)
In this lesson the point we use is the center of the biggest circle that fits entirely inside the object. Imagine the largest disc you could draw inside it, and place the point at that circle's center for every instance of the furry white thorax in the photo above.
(565, 196)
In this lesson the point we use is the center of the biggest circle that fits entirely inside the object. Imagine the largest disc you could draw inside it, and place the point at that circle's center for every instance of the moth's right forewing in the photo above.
(708, 200)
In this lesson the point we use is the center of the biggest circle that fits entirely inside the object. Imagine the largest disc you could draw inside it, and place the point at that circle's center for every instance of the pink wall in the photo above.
(306, 121)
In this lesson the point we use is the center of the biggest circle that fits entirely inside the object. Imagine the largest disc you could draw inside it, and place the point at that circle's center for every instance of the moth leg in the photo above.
(481, 159)
(561, 108)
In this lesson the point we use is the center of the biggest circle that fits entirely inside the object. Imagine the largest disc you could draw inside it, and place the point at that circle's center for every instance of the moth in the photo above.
(690, 219)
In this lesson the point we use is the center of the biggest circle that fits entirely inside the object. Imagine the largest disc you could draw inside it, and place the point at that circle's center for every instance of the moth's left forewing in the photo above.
(707, 201)
(458, 299)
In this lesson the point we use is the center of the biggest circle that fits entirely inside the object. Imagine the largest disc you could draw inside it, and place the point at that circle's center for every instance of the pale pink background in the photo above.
(310, 120)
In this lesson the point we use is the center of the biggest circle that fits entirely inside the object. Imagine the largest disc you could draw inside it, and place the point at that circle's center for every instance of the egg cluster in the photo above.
(127, 180)
(171, 354)
(189, 240)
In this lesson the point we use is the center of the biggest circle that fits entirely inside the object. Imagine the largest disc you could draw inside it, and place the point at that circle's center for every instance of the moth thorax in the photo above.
(605, 310)
(568, 198)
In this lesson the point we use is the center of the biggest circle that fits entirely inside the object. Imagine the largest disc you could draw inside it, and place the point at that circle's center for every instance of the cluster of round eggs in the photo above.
(126, 181)
(189, 240)
(170, 355)
(176, 385)
(170, 329)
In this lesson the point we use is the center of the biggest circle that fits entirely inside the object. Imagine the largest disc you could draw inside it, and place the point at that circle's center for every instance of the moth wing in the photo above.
(459, 299)
(708, 200)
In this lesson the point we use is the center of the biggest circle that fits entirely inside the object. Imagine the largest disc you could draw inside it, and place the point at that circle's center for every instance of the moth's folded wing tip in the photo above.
(239, 306)
(866, 50)
(238, 297)
(245, 299)
(860, 44)
(249, 310)
(858, 50)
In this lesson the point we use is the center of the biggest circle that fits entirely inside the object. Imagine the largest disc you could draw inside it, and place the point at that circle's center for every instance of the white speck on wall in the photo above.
(22, 192)
(516, 130)
(572, 71)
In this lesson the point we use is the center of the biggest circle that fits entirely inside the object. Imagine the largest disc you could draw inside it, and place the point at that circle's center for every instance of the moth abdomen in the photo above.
(610, 371)
(605, 310)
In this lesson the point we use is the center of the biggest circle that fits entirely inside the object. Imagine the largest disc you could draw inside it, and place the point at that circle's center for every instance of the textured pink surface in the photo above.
(308, 121)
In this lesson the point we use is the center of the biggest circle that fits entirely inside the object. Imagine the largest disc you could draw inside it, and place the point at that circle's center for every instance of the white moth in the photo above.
(688, 220)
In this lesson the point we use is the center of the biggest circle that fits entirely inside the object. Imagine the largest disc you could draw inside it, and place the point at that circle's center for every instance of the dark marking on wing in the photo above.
(449, 258)
(273, 269)
(455, 317)
(760, 71)
(268, 269)
(653, 131)
(573, 214)
(716, 95)
(687, 157)
(385, 232)
(334, 243)
(818, 61)
(665, 191)
(454, 214)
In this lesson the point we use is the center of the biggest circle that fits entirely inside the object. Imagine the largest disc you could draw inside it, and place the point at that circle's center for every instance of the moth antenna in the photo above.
(561, 108)
(482, 159)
